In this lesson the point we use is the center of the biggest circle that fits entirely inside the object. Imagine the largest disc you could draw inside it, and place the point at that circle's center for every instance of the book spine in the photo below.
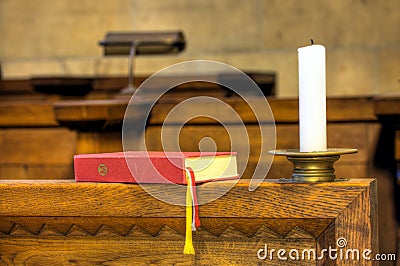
(141, 170)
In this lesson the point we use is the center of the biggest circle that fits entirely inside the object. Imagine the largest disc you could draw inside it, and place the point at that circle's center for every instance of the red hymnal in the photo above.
(154, 167)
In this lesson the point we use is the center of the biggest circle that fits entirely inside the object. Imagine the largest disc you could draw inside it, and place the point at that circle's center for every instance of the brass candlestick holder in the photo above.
(313, 166)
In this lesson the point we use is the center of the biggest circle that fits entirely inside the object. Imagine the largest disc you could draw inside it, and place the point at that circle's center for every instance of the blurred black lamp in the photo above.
(141, 43)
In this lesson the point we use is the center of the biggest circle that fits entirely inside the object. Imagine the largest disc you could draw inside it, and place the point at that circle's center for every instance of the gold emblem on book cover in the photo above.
(102, 169)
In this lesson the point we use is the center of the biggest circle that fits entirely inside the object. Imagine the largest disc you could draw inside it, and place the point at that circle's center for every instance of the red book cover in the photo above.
(154, 167)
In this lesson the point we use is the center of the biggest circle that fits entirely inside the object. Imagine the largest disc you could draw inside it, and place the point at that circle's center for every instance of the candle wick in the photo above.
(312, 41)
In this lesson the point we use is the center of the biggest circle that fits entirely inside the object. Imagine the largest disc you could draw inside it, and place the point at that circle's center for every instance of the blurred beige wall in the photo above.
(59, 37)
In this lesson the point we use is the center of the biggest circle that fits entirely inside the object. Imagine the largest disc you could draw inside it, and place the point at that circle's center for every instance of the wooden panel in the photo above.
(96, 142)
(350, 109)
(356, 213)
(18, 171)
(339, 135)
(25, 171)
(351, 170)
(37, 153)
(37, 146)
(352, 135)
(191, 138)
(338, 109)
(140, 252)
(22, 113)
(87, 223)
(284, 110)
(90, 110)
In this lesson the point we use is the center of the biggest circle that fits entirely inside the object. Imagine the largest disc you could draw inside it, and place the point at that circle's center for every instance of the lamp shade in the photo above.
(146, 43)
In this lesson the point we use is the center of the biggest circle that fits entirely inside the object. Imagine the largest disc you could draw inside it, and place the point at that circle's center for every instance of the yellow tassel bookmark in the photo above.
(189, 249)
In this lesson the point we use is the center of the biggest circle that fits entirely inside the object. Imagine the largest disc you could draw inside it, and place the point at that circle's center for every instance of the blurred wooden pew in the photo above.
(40, 133)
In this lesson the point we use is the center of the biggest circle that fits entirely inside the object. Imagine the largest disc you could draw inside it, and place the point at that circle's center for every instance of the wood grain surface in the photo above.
(64, 223)
(284, 110)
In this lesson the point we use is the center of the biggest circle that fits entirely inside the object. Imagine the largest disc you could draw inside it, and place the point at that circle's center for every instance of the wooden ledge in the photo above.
(274, 199)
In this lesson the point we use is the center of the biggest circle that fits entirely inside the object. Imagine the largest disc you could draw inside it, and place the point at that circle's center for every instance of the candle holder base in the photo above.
(313, 166)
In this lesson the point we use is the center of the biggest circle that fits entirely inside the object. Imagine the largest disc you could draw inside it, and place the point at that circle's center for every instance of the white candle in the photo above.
(312, 98)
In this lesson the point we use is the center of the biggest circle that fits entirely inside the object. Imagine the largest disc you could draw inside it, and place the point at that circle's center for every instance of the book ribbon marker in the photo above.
(192, 211)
